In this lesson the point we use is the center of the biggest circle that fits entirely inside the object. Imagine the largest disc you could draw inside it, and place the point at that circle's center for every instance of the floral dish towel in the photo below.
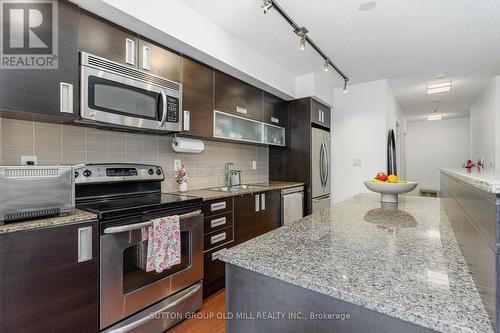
(164, 243)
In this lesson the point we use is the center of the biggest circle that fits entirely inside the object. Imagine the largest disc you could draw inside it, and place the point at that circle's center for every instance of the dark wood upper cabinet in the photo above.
(275, 111)
(237, 97)
(159, 61)
(43, 287)
(107, 40)
(197, 98)
(51, 93)
(320, 113)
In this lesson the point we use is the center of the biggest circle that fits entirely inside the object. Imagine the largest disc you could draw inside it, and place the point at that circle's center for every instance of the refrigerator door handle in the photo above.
(321, 165)
(325, 175)
(327, 164)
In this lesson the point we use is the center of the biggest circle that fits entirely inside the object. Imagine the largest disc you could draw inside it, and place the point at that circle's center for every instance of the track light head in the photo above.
(302, 33)
(266, 5)
(326, 66)
(344, 89)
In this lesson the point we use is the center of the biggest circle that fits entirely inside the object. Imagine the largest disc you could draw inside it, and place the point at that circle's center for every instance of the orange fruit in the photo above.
(392, 179)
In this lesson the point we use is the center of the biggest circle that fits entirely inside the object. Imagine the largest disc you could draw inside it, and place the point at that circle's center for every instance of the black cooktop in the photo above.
(139, 205)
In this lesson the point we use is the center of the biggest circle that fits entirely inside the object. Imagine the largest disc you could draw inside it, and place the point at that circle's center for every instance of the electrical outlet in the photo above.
(177, 165)
(254, 165)
(356, 162)
(29, 160)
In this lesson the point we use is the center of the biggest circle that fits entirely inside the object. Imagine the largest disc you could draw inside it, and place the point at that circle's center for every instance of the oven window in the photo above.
(134, 265)
(122, 99)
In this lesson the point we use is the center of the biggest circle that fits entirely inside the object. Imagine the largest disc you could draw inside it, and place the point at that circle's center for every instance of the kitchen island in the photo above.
(355, 267)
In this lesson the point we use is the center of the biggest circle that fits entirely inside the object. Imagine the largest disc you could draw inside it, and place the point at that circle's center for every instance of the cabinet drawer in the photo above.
(217, 238)
(218, 206)
(218, 222)
(213, 268)
(213, 271)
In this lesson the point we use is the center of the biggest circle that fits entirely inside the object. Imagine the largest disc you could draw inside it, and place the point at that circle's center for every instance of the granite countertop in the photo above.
(487, 179)
(78, 216)
(403, 262)
(207, 194)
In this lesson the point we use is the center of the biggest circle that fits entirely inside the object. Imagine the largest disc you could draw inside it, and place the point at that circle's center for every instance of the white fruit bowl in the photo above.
(389, 191)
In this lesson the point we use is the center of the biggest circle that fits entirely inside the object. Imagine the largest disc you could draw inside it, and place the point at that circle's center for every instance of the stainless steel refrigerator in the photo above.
(321, 169)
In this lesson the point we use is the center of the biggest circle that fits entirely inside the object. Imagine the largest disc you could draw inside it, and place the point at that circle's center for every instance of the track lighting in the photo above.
(344, 89)
(302, 33)
(326, 66)
(266, 5)
(304, 39)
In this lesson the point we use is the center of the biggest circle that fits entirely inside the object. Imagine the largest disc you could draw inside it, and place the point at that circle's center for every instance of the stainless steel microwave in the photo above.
(116, 95)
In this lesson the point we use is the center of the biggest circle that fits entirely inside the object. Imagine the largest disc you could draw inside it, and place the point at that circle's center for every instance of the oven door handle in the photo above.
(143, 320)
(135, 226)
(164, 114)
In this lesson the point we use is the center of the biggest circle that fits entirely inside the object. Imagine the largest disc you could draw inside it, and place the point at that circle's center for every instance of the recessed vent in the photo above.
(32, 214)
(28, 172)
(134, 73)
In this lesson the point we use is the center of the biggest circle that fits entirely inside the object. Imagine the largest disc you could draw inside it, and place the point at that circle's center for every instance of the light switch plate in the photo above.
(25, 159)
(356, 162)
(177, 165)
(254, 165)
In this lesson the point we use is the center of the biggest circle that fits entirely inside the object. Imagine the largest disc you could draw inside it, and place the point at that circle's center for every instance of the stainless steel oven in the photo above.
(125, 198)
(125, 97)
(126, 288)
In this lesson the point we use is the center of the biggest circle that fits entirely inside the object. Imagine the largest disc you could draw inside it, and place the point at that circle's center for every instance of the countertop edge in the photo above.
(78, 216)
(348, 297)
(206, 194)
(475, 180)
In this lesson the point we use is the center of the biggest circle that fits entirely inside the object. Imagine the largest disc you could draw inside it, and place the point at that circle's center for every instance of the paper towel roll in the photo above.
(185, 145)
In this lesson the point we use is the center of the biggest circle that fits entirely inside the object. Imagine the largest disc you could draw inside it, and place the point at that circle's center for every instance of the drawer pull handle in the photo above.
(218, 222)
(217, 206)
(218, 238)
(215, 255)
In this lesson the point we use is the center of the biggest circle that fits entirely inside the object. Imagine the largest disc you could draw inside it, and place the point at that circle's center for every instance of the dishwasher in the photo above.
(292, 204)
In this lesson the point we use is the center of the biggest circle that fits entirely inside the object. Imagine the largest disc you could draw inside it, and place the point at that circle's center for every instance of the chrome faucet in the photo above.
(228, 175)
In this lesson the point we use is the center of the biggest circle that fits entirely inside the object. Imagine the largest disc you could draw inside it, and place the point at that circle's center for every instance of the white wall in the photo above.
(359, 132)
(432, 145)
(484, 125)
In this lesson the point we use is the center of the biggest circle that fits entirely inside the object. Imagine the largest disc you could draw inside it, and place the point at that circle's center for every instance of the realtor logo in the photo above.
(29, 34)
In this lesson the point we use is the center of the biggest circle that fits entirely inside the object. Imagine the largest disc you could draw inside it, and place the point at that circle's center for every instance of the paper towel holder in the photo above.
(186, 145)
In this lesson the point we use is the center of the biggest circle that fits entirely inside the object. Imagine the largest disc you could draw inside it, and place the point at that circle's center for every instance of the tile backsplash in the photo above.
(69, 144)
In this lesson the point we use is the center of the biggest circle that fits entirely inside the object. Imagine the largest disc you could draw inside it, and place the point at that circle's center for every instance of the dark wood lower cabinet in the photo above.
(251, 215)
(43, 287)
(256, 214)
(269, 214)
(213, 277)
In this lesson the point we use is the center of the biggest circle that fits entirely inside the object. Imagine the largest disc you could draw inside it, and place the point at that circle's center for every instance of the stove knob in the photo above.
(77, 174)
(158, 172)
(151, 171)
(87, 173)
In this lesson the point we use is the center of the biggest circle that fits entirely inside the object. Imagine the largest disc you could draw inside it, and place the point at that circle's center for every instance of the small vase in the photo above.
(183, 187)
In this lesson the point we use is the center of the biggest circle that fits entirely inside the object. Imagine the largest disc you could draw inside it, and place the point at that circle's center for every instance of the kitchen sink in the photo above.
(236, 188)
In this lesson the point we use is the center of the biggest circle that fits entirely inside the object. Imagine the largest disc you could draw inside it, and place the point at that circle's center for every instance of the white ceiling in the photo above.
(405, 41)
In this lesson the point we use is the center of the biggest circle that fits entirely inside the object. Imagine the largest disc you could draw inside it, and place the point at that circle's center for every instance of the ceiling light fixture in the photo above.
(302, 33)
(439, 87)
(434, 117)
(344, 89)
(366, 6)
(326, 66)
(268, 4)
